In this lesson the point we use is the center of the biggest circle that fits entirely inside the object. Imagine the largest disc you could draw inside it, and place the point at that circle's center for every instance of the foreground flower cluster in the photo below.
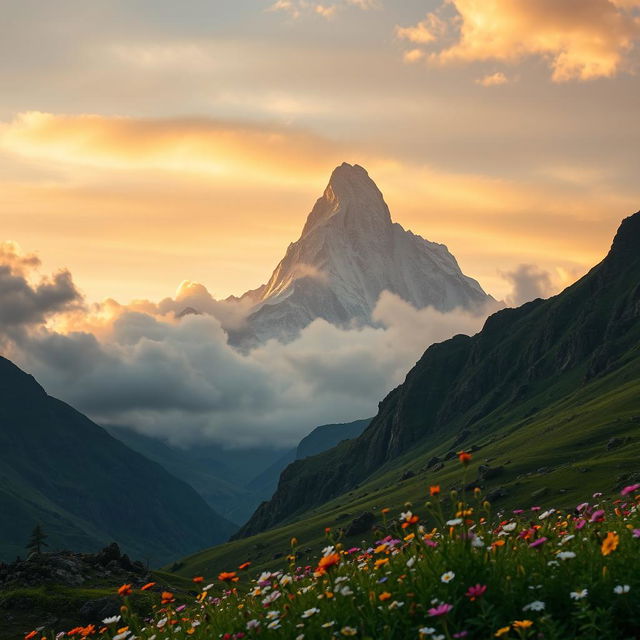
(531, 573)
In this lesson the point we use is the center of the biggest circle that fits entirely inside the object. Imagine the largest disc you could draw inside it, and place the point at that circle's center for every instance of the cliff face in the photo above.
(554, 345)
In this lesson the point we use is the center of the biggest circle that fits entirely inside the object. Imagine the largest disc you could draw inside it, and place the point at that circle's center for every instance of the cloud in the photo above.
(24, 302)
(189, 146)
(179, 379)
(580, 39)
(529, 282)
(298, 8)
(493, 80)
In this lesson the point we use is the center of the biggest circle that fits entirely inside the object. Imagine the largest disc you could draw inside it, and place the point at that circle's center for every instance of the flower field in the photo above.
(452, 569)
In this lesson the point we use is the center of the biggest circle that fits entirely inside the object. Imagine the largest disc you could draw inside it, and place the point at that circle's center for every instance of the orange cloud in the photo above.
(493, 80)
(297, 8)
(199, 146)
(580, 39)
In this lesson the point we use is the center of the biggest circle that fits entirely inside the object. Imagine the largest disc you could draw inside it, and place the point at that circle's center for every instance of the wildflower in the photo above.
(228, 576)
(455, 522)
(197, 579)
(597, 516)
(272, 615)
(621, 588)
(348, 631)
(538, 543)
(447, 577)
(434, 490)
(635, 533)
(411, 561)
(385, 595)
(440, 610)
(122, 636)
(501, 631)
(476, 591)
(426, 631)
(125, 590)
(536, 605)
(244, 565)
(328, 550)
(509, 527)
(522, 624)
(274, 625)
(380, 561)
(395, 605)
(30, 635)
(461, 634)
(328, 561)
(148, 586)
(610, 543)
(566, 555)
(310, 612)
(464, 457)
(111, 620)
(167, 597)
(271, 597)
(326, 625)
(579, 595)
(630, 489)
(346, 591)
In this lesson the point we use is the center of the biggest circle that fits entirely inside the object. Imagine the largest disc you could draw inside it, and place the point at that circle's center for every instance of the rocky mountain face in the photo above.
(544, 349)
(85, 488)
(349, 252)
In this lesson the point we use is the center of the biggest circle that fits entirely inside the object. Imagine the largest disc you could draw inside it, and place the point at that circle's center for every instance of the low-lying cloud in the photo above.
(179, 379)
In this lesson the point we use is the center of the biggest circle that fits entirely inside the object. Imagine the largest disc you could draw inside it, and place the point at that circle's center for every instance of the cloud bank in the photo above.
(179, 379)
(579, 39)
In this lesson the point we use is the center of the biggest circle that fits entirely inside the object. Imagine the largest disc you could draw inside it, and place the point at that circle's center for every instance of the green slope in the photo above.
(61, 470)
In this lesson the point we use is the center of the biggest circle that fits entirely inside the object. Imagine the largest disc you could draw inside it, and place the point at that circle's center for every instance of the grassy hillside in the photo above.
(553, 457)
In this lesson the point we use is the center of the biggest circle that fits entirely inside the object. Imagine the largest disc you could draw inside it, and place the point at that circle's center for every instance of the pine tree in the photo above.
(37, 540)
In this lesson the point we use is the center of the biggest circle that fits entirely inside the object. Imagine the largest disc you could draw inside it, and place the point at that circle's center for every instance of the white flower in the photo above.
(411, 561)
(300, 636)
(477, 542)
(161, 623)
(272, 597)
(310, 612)
(621, 588)
(327, 551)
(272, 615)
(326, 625)
(346, 591)
(566, 539)
(340, 579)
(553, 563)
(122, 636)
(111, 620)
(348, 631)
(396, 605)
(447, 577)
(253, 624)
(566, 555)
(545, 514)
(274, 625)
(438, 637)
(426, 631)
(285, 580)
(264, 576)
(454, 522)
(536, 605)
(406, 515)
(578, 595)
(509, 527)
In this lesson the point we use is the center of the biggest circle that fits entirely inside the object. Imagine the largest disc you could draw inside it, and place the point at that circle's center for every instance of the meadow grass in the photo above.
(476, 574)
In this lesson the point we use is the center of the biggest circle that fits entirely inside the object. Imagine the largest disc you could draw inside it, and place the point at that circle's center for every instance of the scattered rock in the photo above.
(614, 443)
(433, 462)
(485, 472)
(496, 494)
(407, 475)
(361, 524)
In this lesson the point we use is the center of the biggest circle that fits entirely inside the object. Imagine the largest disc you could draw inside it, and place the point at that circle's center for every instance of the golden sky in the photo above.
(144, 145)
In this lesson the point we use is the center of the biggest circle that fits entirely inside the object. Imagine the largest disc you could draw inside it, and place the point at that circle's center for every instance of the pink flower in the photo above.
(517, 512)
(630, 489)
(580, 523)
(535, 508)
(636, 533)
(476, 591)
(430, 543)
(598, 516)
(440, 610)
(538, 543)
(582, 507)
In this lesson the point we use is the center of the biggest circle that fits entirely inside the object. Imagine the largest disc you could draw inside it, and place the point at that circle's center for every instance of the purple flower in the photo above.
(630, 489)
(382, 580)
(182, 607)
(538, 543)
(440, 610)
(517, 512)
(598, 516)
(636, 533)
(535, 508)
(580, 523)
(461, 634)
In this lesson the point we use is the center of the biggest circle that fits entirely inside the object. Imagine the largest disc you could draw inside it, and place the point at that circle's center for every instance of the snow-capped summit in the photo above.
(349, 252)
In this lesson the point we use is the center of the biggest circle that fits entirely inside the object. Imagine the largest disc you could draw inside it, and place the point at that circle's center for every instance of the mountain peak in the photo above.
(352, 193)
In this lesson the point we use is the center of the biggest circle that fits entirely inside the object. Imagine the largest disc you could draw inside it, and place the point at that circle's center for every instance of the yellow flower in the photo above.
(501, 631)
(522, 624)
(610, 543)
(380, 561)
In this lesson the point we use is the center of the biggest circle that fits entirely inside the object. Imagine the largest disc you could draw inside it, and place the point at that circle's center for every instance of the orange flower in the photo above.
(464, 457)
(125, 590)
(148, 586)
(244, 565)
(385, 595)
(30, 635)
(610, 543)
(328, 561)
(167, 597)
(197, 579)
(380, 561)
(500, 632)
(434, 490)
(88, 631)
(522, 624)
(228, 576)
(385, 510)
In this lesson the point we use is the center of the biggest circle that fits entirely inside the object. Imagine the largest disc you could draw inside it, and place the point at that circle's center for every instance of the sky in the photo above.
(148, 143)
